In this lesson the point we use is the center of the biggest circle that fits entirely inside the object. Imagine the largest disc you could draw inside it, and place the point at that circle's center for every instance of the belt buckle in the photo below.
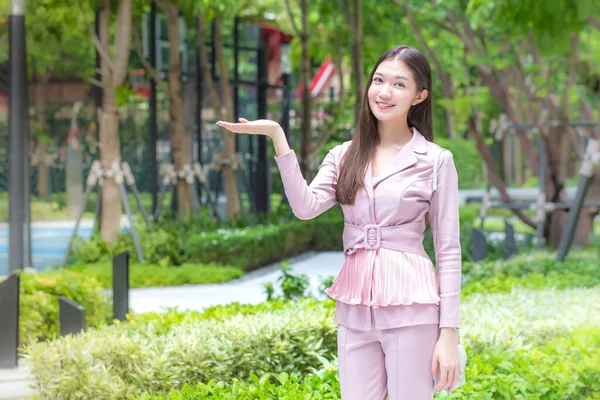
(377, 244)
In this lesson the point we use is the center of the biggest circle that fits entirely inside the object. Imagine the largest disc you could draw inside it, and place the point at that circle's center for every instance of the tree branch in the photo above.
(594, 23)
(294, 26)
(101, 49)
(447, 84)
(152, 71)
(223, 73)
(207, 79)
(494, 177)
(96, 83)
(122, 40)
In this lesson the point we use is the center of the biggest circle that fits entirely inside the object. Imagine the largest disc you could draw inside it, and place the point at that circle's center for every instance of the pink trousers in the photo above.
(391, 362)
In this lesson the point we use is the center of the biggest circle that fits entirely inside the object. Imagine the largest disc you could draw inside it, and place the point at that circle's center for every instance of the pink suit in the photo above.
(386, 292)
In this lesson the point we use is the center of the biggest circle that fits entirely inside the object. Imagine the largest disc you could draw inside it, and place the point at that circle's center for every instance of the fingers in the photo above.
(443, 379)
(448, 378)
(233, 127)
(434, 365)
(455, 380)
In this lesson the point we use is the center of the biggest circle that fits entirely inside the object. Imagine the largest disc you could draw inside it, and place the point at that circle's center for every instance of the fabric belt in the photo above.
(404, 237)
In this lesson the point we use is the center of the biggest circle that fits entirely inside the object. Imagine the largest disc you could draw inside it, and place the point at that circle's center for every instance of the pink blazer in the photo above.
(386, 270)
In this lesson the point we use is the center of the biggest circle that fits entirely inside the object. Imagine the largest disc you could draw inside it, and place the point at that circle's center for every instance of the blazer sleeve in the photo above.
(308, 201)
(447, 245)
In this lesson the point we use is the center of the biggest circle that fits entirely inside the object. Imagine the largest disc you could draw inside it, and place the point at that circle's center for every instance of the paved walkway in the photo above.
(248, 290)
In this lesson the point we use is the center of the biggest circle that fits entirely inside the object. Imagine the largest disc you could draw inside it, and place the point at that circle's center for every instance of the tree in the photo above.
(113, 72)
(355, 20)
(57, 48)
(181, 141)
(305, 72)
(527, 82)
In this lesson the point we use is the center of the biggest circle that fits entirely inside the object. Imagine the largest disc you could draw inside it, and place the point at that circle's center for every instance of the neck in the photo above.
(394, 133)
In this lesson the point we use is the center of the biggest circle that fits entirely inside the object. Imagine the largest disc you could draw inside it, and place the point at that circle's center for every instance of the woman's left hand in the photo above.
(446, 357)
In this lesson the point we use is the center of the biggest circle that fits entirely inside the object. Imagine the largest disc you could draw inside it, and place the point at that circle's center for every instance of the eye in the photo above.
(400, 84)
(377, 80)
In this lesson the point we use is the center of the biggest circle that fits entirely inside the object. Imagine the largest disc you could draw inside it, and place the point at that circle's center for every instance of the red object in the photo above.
(143, 91)
(321, 78)
(3, 101)
(274, 39)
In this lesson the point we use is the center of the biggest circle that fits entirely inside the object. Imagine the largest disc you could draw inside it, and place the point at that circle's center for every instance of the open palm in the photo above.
(258, 127)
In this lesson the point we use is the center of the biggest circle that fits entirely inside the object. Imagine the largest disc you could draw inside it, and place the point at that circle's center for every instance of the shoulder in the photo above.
(439, 154)
(337, 152)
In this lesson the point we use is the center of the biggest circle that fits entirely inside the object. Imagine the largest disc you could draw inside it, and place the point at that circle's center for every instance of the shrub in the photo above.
(119, 361)
(123, 360)
(579, 262)
(39, 302)
(250, 248)
(542, 372)
(468, 161)
(152, 275)
(162, 323)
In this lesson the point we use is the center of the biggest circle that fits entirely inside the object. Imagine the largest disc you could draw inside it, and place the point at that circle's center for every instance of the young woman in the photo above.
(396, 332)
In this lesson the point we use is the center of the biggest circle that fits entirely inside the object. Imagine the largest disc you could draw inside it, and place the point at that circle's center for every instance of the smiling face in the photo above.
(393, 91)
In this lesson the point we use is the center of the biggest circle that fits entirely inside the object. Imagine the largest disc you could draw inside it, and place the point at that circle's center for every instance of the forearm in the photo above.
(280, 142)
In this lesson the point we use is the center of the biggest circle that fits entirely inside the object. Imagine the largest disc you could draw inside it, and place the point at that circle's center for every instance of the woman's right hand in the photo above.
(258, 127)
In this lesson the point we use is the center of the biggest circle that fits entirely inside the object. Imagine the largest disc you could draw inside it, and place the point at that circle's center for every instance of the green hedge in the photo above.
(467, 160)
(290, 340)
(254, 247)
(549, 371)
(39, 296)
(152, 275)
(157, 356)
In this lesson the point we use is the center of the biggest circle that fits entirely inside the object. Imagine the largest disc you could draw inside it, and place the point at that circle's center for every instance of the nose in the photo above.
(385, 91)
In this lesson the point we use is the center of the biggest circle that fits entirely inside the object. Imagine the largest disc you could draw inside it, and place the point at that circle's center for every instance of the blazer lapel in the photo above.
(405, 157)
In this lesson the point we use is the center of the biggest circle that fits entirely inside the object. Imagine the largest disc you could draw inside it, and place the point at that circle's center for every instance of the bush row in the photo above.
(543, 372)
(152, 275)
(253, 246)
(40, 291)
(154, 358)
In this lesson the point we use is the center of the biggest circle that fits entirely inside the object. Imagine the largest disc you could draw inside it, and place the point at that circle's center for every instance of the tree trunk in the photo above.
(518, 161)
(507, 159)
(110, 153)
(357, 59)
(108, 117)
(305, 143)
(223, 108)
(42, 168)
(234, 206)
(181, 143)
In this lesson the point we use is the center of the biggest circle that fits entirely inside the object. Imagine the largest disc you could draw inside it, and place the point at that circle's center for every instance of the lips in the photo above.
(384, 106)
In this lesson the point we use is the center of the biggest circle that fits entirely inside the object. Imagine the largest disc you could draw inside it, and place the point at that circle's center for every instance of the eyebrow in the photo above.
(397, 76)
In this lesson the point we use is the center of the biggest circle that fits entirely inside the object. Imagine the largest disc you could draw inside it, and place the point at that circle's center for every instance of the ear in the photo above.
(421, 96)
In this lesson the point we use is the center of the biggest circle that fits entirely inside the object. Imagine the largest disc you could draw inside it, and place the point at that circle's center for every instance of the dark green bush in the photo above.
(153, 275)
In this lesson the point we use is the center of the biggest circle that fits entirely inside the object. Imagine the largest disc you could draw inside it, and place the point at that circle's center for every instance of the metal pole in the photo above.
(262, 194)
(236, 75)
(153, 125)
(586, 173)
(286, 69)
(541, 213)
(98, 94)
(199, 104)
(28, 262)
(17, 129)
